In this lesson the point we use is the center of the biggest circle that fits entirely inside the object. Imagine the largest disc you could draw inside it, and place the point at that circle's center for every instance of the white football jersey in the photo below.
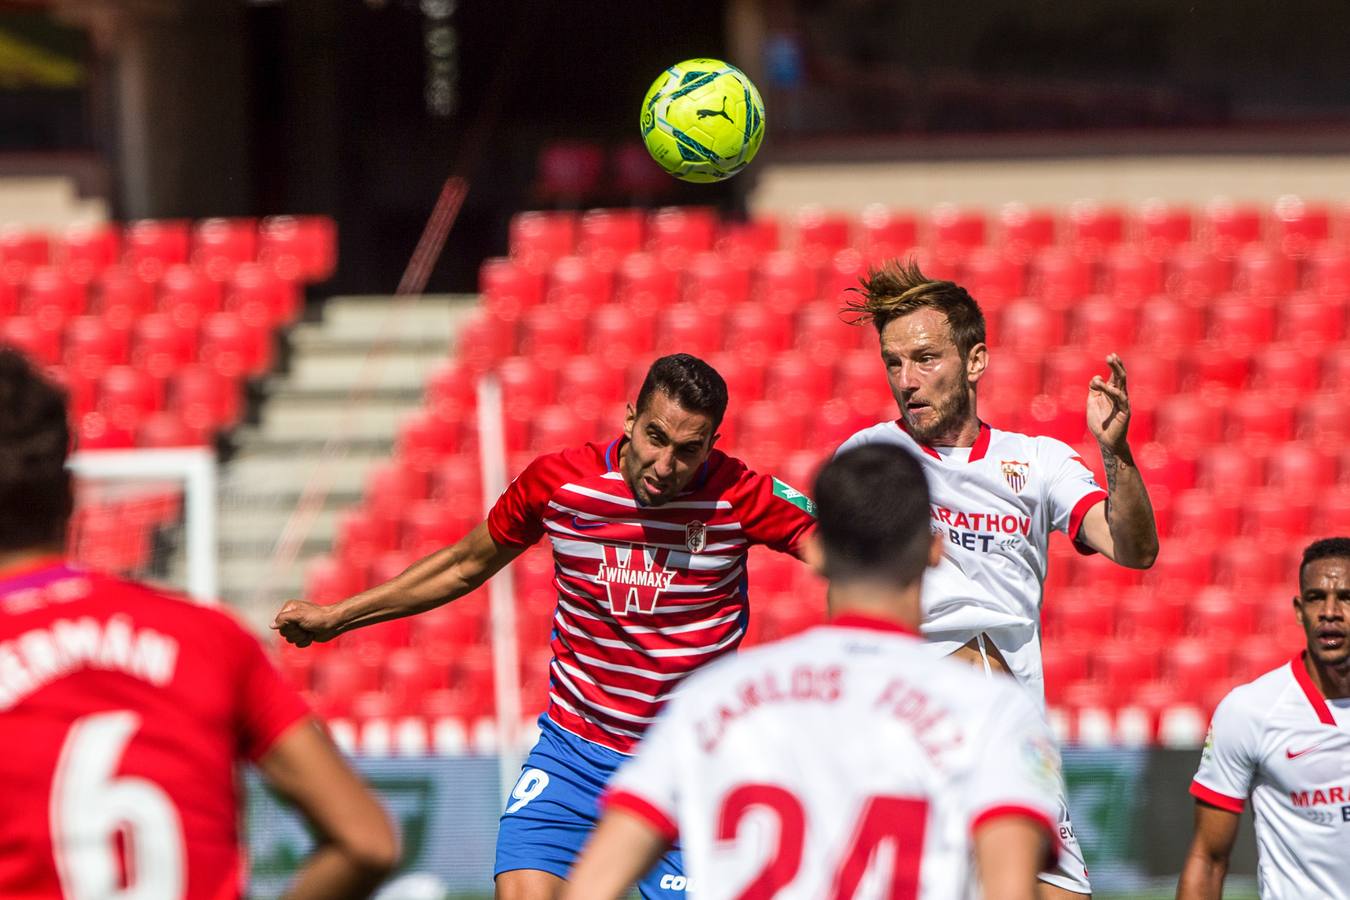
(997, 502)
(845, 761)
(1277, 741)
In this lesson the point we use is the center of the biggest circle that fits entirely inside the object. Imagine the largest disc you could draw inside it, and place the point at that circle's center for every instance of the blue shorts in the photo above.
(555, 804)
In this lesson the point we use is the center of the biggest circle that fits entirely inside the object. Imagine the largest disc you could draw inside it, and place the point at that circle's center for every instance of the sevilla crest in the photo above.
(1015, 473)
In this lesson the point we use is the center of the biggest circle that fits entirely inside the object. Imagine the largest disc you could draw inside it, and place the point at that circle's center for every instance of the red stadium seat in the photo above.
(1331, 515)
(860, 380)
(234, 347)
(1204, 516)
(9, 298)
(1024, 231)
(95, 431)
(1323, 420)
(1153, 370)
(538, 239)
(1132, 275)
(483, 342)
(1231, 468)
(1287, 368)
(219, 245)
(1196, 276)
(824, 334)
(1103, 325)
(93, 346)
(1057, 418)
(685, 329)
(549, 336)
(1298, 227)
(1274, 516)
(1060, 278)
(160, 345)
(821, 234)
(122, 296)
(188, 295)
(1163, 228)
(1228, 227)
(262, 298)
(165, 429)
(768, 431)
(1197, 668)
(994, 278)
(715, 284)
(40, 342)
(52, 297)
(1093, 229)
(525, 386)
(1069, 371)
(127, 396)
(676, 233)
(834, 422)
(21, 251)
(841, 273)
(452, 392)
(555, 428)
(299, 248)
(1180, 570)
(1312, 321)
(569, 171)
(1219, 365)
(744, 376)
(1263, 275)
(576, 286)
(424, 439)
(757, 331)
(430, 525)
(886, 233)
(1329, 272)
(784, 282)
(642, 282)
(606, 236)
(1085, 617)
(85, 250)
(392, 488)
(1188, 423)
(1261, 420)
(1121, 669)
(744, 242)
(1234, 320)
(1027, 326)
(153, 245)
(953, 230)
(1301, 470)
(797, 379)
(1147, 617)
(622, 335)
(206, 400)
(81, 390)
(509, 288)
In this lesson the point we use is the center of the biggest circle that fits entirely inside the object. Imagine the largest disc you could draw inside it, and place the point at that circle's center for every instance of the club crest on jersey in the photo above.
(634, 577)
(696, 536)
(1015, 473)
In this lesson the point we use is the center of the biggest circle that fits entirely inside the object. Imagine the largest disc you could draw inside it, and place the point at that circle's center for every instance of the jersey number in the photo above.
(895, 821)
(113, 837)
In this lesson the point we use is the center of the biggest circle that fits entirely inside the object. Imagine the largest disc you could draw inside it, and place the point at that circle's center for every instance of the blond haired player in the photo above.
(997, 495)
(1284, 741)
(845, 761)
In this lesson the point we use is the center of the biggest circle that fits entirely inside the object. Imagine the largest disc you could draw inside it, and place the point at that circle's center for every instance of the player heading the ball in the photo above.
(997, 495)
(844, 756)
(1284, 741)
(124, 712)
(650, 532)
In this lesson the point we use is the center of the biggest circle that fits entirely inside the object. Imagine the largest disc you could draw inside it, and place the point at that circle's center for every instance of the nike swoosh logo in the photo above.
(1295, 754)
(584, 526)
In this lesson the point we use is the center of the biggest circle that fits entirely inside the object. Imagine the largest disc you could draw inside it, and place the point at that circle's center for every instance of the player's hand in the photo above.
(1108, 406)
(302, 623)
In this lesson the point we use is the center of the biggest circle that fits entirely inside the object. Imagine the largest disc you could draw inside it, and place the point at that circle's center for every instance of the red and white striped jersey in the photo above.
(646, 594)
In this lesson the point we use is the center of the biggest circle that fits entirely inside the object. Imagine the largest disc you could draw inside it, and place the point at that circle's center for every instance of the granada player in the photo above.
(650, 533)
(1283, 740)
(997, 495)
(844, 756)
(124, 711)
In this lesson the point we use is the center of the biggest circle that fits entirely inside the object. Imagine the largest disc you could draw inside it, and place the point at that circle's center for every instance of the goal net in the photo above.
(148, 515)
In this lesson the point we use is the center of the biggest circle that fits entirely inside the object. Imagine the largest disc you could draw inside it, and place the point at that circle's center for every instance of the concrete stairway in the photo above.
(331, 393)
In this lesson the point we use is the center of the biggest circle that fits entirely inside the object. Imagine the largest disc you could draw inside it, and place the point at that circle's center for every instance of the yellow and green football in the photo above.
(702, 120)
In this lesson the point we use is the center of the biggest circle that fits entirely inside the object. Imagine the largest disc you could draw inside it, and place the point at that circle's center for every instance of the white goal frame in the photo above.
(195, 468)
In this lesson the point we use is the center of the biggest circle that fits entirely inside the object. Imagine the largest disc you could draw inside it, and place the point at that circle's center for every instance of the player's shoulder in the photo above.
(167, 605)
(1254, 700)
(727, 477)
(888, 432)
(1042, 447)
(573, 463)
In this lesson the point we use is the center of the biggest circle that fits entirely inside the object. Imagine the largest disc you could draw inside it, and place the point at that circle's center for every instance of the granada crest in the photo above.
(1015, 473)
(696, 536)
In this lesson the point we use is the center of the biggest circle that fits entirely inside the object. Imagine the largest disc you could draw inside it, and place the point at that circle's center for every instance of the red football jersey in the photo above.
(123, 714)
(646, 594)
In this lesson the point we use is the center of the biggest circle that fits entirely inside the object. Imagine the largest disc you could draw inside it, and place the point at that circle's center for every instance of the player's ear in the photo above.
(977, 360)
(1298, 610)
(813, 554)
(629, 420)
(935, 548)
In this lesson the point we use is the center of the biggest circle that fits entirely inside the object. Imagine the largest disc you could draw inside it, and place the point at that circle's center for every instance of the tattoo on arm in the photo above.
(1109, 462)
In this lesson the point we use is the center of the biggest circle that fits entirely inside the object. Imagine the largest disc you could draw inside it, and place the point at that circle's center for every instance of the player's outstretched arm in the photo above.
(443, 576)
(1009, 851)
(1207, 860)
(1122, 529)
(621, 850)
(357, 846)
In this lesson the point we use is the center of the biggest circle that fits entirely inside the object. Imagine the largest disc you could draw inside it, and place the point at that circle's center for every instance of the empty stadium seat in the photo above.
(1093, 229)
(1195, 276)
(784, 282)
(151, 246)
(1163, 227)
(39, 341)
(1298, 228)
(234, 347)
(1228, 227)
(642, 282)
(993, 277)
(821, 233)
(219, 245)
(92, 346)
(1131, 275)
(576, 287)
(886, 233)
(1060, 278)
(21, 251)
(262, 298)
(676, 233)
(127, 396)
(84, 250)
(1024, 231)
(53, 297)
(954, 230)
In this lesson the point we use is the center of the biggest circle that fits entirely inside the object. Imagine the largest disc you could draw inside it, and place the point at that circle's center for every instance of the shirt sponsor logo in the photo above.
(695, 536)
(1015, 473)
(784, 491)
(634, 577)
(983, 531)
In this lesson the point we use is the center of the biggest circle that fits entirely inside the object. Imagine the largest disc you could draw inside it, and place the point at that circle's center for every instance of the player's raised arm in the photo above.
(1121, 529)
(1207, 860)
(431, 581)
(1008, 853)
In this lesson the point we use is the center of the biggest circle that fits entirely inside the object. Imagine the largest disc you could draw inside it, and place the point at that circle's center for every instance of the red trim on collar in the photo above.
(977, 450)
(612, 453)
(1319, 703)
(871, 623)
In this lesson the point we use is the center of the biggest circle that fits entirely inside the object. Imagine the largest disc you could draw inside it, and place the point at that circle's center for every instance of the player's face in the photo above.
(666, 445)
(1323, 609)
(933, 386)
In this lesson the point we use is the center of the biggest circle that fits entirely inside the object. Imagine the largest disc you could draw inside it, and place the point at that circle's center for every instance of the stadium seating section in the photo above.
(1231, 320)
(153, 327)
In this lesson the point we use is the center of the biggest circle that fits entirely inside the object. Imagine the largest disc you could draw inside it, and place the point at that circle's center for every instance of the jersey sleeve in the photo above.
(1016, 768)
(267, 705)
(647, 786)
(516, 518)
(1228, 761)
(1071, 490)
(774, 513)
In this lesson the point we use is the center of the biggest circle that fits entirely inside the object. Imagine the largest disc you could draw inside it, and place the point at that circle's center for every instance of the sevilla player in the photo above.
(1283, 741)
(997, 495)
(844, 761)
(650, 532)
(124, 712)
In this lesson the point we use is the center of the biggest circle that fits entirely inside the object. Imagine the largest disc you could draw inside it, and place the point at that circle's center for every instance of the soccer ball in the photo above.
(702, 120)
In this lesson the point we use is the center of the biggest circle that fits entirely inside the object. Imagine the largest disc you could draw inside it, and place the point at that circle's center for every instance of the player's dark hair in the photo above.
(872, 515)
(1326, 548)
(36, 496)
(690, 382)
(897, 288)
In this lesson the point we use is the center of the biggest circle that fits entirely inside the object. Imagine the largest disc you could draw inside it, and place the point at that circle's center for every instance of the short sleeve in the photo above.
(1070, 489)
(1016, 769)
(1228, 761)
(647, 786)
(516, 519)
(268, 706)
(774, 513)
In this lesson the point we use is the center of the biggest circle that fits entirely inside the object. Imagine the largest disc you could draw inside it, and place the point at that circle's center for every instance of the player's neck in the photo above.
(1332, 681)
(876, 601)
(962, 434)
(12, 561)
